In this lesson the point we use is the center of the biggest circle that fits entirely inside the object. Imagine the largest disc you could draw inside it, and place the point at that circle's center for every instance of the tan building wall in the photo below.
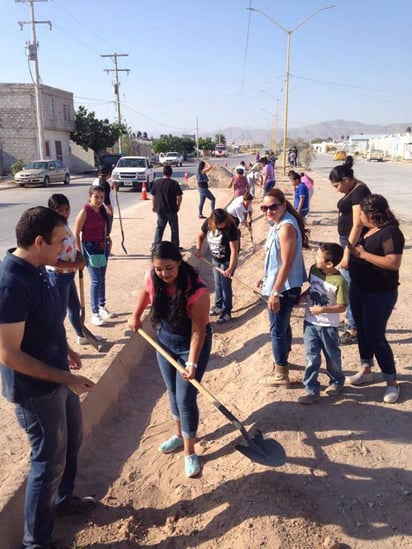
(18, 124)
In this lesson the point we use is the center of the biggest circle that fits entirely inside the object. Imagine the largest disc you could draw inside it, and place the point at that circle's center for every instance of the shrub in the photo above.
(17, 166)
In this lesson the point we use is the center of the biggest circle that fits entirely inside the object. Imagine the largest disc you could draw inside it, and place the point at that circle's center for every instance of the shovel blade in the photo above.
(264, 451)
(90, 338)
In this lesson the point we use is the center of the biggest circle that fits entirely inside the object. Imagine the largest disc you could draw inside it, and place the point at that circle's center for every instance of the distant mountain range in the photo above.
(333, 128)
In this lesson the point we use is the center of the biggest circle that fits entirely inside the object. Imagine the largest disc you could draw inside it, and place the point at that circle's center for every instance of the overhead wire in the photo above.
(246, 49)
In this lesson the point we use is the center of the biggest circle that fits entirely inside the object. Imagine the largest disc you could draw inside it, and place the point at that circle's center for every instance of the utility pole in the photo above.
(116, 84)
(197, 139)
(31, 50)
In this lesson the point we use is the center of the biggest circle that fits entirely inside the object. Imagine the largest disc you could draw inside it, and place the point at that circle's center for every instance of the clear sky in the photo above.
(209, 59)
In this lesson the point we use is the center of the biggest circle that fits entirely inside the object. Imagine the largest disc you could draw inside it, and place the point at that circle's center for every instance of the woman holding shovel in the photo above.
(180, 316)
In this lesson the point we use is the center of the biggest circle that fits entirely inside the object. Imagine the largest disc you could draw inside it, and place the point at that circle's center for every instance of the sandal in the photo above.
(347, 338)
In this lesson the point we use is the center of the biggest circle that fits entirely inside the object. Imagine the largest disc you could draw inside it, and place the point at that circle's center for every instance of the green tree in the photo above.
(220, 138)
(188, 145)
(206, 143)
(168, 143)
(95, 134)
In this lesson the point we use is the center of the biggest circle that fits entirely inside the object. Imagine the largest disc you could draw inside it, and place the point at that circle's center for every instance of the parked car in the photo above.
(339, 155)
(132, 171)
(379, 156)
(108, 160)
(42, 172)
(172, 158)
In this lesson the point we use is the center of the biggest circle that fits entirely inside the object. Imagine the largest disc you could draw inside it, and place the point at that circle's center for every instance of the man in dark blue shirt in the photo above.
(34, 366)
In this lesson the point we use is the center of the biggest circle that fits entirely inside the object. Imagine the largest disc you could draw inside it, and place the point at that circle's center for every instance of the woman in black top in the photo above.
(223, 239)
(374, 269)
(349, 225)
(203, 185)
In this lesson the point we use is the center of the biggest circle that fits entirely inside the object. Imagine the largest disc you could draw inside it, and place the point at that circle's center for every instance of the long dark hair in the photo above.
(344, 170)
(202, 164)
(376, 208)
(218, 217)
(175, 313)
(278, 194)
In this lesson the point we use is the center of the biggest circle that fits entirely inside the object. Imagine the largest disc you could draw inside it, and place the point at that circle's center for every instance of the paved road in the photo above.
(391, 179)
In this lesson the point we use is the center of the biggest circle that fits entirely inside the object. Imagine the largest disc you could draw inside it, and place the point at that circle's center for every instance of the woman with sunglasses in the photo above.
(350, 226)
(284, 274)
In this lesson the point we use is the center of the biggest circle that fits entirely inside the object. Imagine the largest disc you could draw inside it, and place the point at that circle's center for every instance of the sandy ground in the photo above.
(347, 481)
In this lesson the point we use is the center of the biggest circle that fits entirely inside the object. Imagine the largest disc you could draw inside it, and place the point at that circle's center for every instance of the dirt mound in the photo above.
(219, 176)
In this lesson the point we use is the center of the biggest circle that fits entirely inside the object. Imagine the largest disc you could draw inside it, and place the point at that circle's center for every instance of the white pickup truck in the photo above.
(132, 171)
(172, 158)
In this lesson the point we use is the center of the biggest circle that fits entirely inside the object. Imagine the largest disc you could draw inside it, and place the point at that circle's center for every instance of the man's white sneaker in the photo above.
(104, 313)
(82, 340)
(391, 394)
(97, 320)
(361, 378)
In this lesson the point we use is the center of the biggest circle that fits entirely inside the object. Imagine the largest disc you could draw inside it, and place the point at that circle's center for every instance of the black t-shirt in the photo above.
(219, 240)
(388, 240)
(165, 191)
(345, 204)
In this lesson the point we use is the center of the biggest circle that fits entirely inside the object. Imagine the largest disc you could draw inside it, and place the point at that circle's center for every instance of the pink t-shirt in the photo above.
(149, 288)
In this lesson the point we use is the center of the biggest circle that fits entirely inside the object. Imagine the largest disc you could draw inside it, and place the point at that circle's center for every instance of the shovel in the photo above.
(259, 449)
(87, 334)
(261, 296)
(120, 220)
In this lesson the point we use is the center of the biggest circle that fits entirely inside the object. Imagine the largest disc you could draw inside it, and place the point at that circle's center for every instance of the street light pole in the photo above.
(274, 137)
(289, 33)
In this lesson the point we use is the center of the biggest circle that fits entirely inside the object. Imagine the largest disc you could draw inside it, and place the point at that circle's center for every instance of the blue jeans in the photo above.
(371, 312)
(268, 185)
(182, 394)
(280, 330)
(319, 339)
(205, 193)
(346, 275)
(53, 424)
(162, 220)
(223, 287)
(97, 277)
(69, 300)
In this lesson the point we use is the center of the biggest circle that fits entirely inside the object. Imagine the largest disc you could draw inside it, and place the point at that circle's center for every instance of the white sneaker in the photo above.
(104, 313)
(97, 320)
(391, 394)
(80, 340)
(361, 378)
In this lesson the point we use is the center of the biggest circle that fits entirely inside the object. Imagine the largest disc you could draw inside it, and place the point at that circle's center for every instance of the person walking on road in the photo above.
(179, 314)
(34, 366)
(203, 185)
(166, 200)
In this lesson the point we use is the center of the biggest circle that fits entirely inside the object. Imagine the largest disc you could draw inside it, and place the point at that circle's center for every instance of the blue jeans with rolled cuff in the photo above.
(280, 330)
(371, 312)
(53, 424)
(318, 339)
(97, 276)
(182, 394)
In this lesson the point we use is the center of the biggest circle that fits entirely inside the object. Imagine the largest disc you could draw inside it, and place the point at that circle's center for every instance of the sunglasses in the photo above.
(271, 207)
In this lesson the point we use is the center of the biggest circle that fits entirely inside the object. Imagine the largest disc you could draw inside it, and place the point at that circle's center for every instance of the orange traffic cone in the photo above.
(186, 176)
(144, 192)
